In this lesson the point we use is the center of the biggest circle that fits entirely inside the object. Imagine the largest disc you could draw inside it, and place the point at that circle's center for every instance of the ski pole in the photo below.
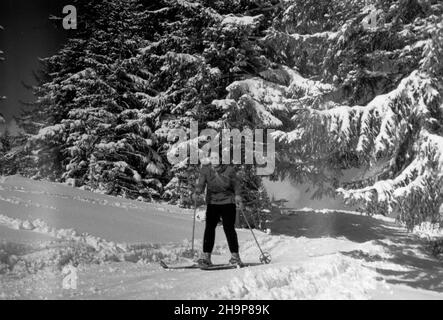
(193, 224)
(265, 256)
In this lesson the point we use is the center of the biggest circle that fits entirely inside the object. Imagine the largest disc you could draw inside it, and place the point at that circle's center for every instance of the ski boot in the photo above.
(205, 260)
(235, 260)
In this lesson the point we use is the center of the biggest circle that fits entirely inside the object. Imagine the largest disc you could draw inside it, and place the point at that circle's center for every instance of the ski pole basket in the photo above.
(265, 257)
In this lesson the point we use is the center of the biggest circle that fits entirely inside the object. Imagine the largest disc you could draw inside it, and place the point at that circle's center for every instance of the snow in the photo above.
(329, 35)
(289, 137)
(260, 90)
(322, 279)
(225, 104)
(411, 179)
(49, 132)
(232, 22)
(316, 254)
(428, 230)
(265, 116)
(280, 89)
(87, 73)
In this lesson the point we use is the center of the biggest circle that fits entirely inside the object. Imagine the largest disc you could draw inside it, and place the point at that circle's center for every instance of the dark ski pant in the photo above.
(213, 214)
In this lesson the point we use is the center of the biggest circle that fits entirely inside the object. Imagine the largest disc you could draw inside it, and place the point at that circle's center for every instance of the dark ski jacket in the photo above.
(222, 184)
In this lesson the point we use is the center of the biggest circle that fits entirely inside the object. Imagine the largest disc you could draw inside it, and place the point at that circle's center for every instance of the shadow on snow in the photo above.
(418, 268)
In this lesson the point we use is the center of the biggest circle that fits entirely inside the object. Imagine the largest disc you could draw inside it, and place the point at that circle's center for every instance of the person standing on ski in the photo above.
(222, 198)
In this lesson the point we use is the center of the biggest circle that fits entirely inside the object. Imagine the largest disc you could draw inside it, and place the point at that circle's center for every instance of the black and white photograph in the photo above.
(221, 150)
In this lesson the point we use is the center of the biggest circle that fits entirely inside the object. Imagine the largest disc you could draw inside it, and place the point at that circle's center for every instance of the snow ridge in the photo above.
(323, 278)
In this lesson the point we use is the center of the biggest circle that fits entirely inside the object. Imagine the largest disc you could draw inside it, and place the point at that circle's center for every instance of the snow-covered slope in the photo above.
(316, 254)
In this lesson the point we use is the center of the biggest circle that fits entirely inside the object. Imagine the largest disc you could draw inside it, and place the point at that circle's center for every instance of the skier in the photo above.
(222, 199)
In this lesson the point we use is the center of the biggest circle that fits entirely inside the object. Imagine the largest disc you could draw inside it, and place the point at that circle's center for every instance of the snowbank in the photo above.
(322, 278)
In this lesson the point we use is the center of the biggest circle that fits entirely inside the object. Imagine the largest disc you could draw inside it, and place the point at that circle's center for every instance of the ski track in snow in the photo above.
(317, 254)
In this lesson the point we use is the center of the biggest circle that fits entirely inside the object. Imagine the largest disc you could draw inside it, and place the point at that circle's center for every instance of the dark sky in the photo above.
(28, 35)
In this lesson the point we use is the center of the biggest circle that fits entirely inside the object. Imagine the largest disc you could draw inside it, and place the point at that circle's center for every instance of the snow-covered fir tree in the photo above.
(5, 142)
(359, 96)
(88, 126)
(353, 86)
(110, 97)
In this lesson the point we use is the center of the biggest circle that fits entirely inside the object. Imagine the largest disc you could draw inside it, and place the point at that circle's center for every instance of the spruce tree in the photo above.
(87, 125)
(109, 99)
(350, 85)
(363, 98)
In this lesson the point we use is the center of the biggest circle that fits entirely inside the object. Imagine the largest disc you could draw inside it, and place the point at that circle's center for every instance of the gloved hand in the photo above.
(196, 197)
(239, 202)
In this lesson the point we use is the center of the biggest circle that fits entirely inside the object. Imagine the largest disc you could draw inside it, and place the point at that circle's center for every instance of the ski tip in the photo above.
(164, 265)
